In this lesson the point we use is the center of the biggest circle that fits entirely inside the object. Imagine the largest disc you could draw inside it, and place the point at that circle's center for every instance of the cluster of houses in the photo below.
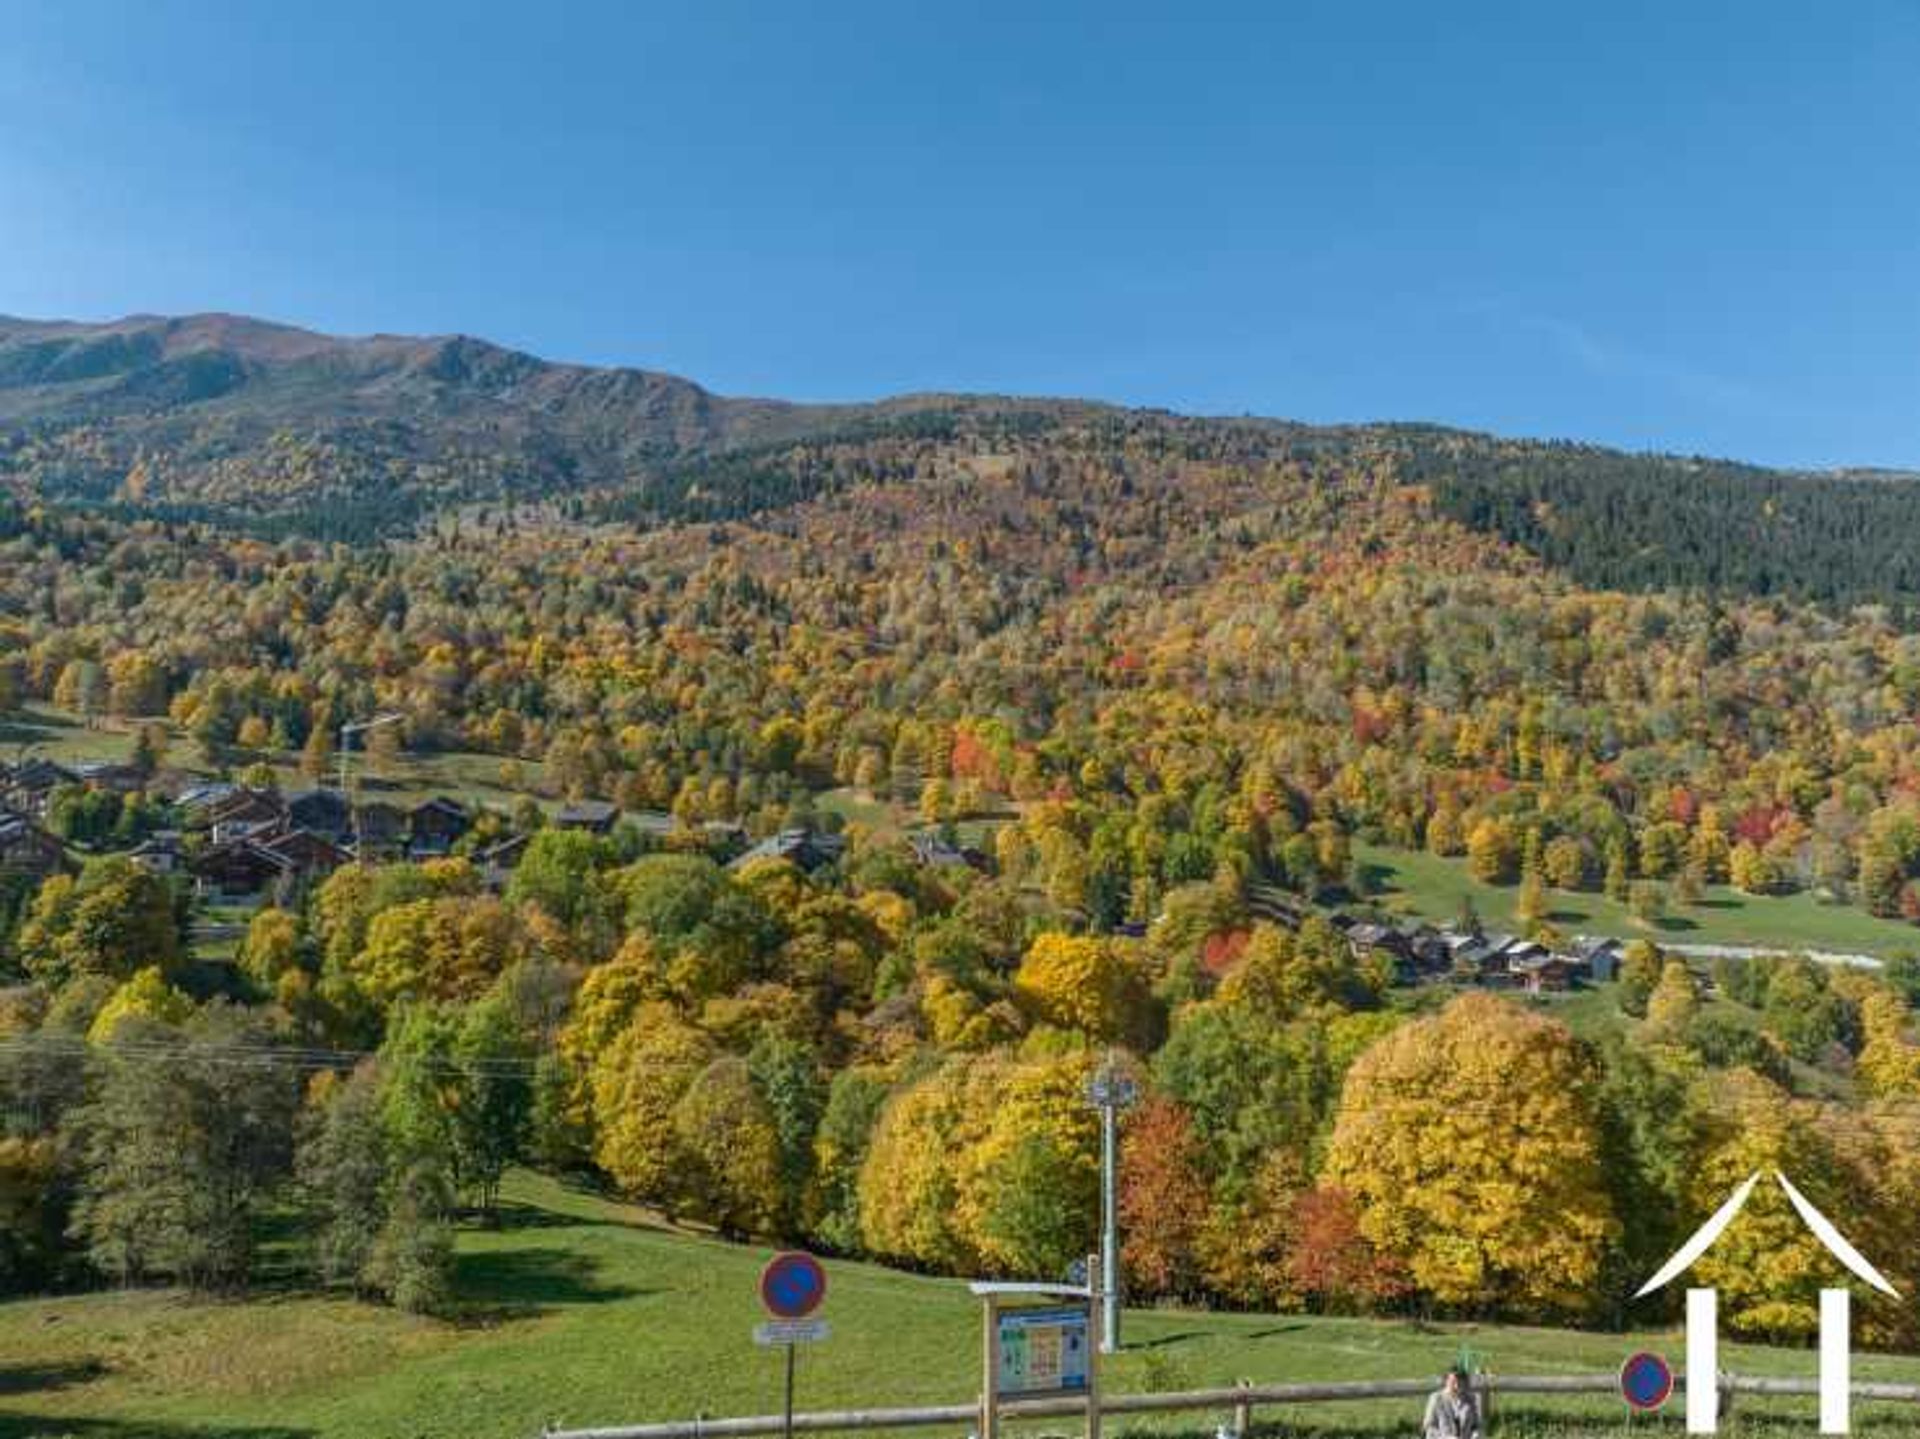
(237, 841)
(1425, 953)
(1434, 954)
(26, 790)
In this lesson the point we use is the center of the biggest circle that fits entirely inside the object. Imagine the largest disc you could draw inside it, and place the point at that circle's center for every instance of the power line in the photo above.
(259, 1055)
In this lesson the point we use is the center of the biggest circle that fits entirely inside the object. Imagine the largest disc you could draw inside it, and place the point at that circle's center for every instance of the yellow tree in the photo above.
(1028, 1187)
(1471, 1145)
(1085, 983)
(1673, 1004)
(638, 1082)
(1889, 1062)
(146, 996)
(908, 1185)
(1768, 1266)
(725, 1131)
(272, 946)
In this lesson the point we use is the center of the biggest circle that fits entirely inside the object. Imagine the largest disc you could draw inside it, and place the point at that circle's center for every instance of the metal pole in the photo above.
(787, 1410)
(1109, 1228)
(1095, 1309)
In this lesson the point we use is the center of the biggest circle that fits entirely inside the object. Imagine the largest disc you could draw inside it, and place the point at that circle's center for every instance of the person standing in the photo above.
(1452, 1412)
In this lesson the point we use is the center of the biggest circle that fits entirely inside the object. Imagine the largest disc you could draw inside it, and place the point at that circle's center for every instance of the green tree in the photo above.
(113, 920)
(185, 1137)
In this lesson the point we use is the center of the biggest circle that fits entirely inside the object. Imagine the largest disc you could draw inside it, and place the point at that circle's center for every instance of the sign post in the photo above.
(1038, 1339)
(792, 1286)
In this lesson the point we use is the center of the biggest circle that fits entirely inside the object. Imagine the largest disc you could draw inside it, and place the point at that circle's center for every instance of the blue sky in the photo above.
(1691, 227)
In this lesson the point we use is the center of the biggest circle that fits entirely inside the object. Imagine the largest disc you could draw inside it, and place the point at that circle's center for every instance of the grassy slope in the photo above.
(1431, 887)
(579, 1311)
(63, 738)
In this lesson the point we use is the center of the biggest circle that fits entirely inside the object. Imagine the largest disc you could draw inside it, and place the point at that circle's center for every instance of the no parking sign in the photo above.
(1646, 1381)
(792, 1285)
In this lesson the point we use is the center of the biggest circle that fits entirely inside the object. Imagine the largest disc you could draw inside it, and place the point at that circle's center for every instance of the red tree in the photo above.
(1163, 1198)
(1331, 1261)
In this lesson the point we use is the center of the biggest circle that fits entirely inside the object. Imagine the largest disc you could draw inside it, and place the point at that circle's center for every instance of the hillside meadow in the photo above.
(576, 1310)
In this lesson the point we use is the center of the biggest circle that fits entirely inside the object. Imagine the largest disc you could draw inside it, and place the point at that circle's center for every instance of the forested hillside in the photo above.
(1056, 726)
(1647, 522)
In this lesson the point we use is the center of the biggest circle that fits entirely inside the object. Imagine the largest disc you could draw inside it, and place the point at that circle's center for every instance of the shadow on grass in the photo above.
(1166, 1341)
(40, 1378)
(1378, 879)
(505, 1285)
(1569, 916)
(1669, 923)
(35, 1426)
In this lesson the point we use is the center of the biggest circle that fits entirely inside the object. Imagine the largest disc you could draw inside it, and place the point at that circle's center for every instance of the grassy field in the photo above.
(474, 778)
(1431, 887)
(578, 1311)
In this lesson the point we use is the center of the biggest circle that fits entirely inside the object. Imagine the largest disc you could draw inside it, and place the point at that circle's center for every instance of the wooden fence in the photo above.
(1240, 1401)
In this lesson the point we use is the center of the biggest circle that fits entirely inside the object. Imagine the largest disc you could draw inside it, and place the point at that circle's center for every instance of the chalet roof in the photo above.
(105, 770)
(14, 828)
(933, 850)
(198, 796)
(443, 804)
(1369, 933)
(244, 801)
(292, 842)
(809, 849)
(502, 849)
(36, 775)
(215, 856)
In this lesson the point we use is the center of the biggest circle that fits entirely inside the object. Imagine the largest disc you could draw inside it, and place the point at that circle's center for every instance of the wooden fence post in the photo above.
(1243, 1413)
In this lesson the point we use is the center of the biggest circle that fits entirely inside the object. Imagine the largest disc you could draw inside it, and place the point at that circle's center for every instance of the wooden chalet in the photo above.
(30, 786)
(379, 830)
(309, 855)
(27, 849)
(593, 816)
(805, 849)
(161, 852)
(238, 813)
(238, 869)
(320, 811)
(434, 826)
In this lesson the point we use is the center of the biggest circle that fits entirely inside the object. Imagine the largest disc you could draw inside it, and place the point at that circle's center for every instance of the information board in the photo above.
(1043, 1350)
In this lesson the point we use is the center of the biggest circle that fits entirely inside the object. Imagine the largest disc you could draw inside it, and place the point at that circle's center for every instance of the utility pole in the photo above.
(347, 732)
(1110, 1092)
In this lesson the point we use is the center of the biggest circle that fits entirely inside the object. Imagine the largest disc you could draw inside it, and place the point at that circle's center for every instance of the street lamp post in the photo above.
(1110, 1092)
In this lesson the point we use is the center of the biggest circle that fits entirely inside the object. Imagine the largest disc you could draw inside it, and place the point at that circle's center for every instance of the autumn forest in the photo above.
(1071, 719)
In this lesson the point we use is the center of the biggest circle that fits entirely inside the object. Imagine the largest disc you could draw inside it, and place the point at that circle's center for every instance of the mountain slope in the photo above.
(226, 417)
(283, 431)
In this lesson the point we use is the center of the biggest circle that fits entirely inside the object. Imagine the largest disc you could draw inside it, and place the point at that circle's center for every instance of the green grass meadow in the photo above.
(576, 1311)
(1413, 883)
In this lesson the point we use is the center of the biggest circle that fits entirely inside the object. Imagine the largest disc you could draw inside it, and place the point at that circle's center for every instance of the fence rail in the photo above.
(1241, 1399)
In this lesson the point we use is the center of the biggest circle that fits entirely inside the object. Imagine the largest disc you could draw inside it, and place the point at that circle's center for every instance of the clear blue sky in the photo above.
(1683, 226)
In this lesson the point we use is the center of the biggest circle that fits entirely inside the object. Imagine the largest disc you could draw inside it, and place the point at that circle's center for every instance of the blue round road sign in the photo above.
(792, 1285)
(1646, 1381)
